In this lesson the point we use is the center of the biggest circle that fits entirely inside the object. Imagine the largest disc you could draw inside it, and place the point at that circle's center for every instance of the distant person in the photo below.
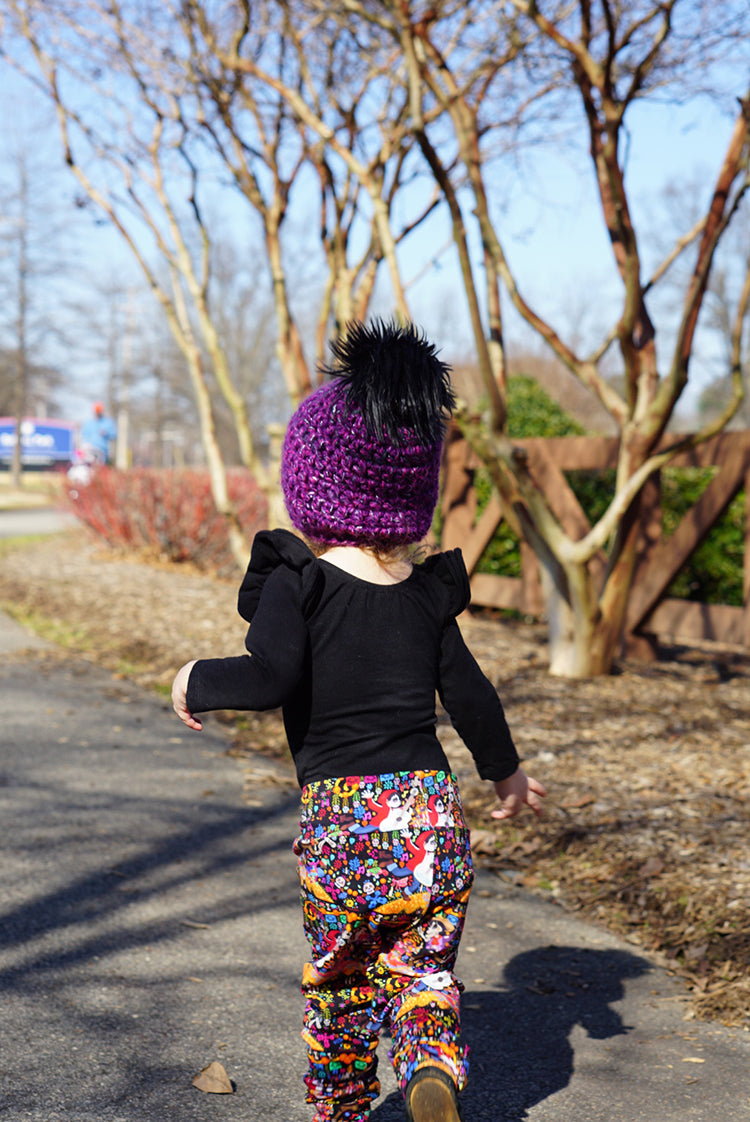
(353, 639)
(98, 433)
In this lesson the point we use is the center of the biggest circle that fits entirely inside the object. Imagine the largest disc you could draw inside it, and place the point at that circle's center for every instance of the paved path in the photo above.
(35, 520)
(149, 925)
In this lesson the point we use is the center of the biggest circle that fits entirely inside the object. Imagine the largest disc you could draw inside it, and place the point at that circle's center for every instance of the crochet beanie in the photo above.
(361, 456)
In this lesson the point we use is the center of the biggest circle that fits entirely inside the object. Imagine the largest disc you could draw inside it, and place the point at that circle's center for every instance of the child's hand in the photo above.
(179, 693)
(516, 790)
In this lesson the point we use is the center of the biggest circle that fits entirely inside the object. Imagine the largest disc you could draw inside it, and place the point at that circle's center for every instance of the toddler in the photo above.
(354, 640)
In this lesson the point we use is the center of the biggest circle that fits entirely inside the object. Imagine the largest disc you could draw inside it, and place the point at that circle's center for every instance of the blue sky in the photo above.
(550, 227)
(555, 239)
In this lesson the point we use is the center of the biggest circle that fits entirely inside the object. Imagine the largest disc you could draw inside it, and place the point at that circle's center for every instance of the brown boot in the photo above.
(431, 1096)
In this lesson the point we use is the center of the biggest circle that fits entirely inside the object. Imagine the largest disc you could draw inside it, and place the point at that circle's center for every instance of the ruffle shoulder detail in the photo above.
(273, 549)
(449, 569)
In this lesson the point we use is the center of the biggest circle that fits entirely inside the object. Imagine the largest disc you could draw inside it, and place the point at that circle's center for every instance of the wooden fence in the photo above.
(651, 614)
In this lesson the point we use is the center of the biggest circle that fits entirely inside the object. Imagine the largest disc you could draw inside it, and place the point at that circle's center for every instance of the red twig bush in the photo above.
(168, 514)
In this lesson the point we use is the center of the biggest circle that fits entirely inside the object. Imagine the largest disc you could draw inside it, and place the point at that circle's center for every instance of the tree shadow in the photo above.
(81, 910)
(519, 1035)
(108, 1030)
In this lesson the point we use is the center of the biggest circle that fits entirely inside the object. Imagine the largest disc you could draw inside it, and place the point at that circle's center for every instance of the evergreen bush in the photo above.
(713, 572)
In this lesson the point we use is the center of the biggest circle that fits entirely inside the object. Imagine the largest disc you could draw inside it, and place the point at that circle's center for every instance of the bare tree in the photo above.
(137, 164)
(732, 336)
(256, 141)
(19, 242)
(243, 308)
(608, 56)
(30, 254)
(352, 116)
(373, 96)
(162, 421)
(371, 171)
(307, 96)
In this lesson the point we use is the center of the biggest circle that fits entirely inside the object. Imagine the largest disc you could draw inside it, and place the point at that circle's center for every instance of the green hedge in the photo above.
(713, 573)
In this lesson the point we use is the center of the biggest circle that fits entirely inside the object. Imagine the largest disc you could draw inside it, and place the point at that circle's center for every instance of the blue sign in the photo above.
(44, 443)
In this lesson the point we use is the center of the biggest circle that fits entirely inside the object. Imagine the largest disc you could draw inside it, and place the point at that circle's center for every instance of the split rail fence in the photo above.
(651, 613)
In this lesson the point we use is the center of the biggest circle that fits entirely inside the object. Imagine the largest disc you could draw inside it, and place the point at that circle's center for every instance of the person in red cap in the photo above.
(98, 434)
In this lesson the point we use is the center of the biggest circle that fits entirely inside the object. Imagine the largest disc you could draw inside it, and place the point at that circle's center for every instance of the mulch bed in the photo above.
(647, 820)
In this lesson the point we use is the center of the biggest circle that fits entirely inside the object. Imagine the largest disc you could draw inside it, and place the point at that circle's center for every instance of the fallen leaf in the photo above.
(214, 1080)
(651, 868)
(483, 841)
(543, 989)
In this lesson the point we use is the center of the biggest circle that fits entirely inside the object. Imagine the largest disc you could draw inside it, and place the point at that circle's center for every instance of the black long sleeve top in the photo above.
(356, 666)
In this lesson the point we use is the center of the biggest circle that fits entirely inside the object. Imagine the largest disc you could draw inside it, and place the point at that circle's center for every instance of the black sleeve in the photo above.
(276, 643)
(272, 549)
(474, 708)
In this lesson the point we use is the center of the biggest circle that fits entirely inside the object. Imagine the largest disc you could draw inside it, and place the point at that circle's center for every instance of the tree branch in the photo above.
(720, 213)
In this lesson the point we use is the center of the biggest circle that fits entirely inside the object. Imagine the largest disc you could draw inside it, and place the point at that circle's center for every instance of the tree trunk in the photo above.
(217, 471)
(571, 648)
(585, 621)
(277, 512)
(581, 645)
(16, 466)
(580, 641)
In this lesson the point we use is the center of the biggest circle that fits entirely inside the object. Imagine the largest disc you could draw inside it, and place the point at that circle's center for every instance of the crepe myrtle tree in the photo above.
(146, 127)
(476, 80)
(541, 65)
(456, 85)
(122, 110)
(162, 107)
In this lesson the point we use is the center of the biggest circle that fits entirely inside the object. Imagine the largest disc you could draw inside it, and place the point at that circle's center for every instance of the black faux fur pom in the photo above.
(391, 375)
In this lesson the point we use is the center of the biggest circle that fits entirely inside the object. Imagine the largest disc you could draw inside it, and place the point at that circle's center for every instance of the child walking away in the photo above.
(354, 641)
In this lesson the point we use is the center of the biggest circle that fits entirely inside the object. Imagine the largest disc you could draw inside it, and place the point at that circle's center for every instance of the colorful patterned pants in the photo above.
(385, 870)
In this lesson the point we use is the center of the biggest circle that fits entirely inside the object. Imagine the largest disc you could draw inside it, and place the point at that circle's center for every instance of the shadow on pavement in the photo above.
(519, 1035)
(119, 981)
(163, 867)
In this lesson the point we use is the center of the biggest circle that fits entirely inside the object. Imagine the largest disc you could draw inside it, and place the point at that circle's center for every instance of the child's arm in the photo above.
(179, 695)
(516, 790)
(477, 715)
(265, 676)
(475, 709)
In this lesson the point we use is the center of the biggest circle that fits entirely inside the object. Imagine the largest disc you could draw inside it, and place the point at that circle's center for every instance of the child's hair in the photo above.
(361, 456)
(385, 554)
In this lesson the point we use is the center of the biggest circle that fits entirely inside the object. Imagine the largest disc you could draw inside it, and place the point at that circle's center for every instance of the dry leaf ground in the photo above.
(648, 817)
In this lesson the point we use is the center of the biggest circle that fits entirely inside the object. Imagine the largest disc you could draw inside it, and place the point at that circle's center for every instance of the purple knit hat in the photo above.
(361, 456)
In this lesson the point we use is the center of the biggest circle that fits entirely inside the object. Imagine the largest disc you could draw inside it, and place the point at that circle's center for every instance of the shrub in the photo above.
(532, 412)
(168, 514)
(713, 572)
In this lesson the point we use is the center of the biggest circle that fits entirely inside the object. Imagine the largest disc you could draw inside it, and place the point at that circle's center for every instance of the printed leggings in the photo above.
(385, 871)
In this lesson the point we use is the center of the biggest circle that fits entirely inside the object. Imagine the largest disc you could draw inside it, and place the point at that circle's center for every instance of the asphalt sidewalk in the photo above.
(149, 925)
